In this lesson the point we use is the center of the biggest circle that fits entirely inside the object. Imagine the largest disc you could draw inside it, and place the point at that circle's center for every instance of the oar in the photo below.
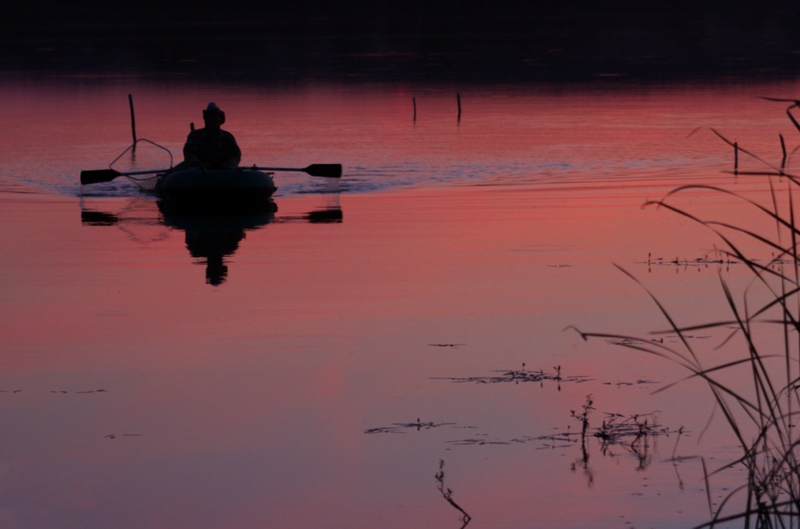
(107, 175)
(326, 170)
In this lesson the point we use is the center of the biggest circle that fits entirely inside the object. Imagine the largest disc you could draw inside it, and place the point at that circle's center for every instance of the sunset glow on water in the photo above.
(287, 395)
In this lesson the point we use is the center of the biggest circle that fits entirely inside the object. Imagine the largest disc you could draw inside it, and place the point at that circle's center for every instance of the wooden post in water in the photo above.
(783, 148)
(414, 101)
(458, 101)
(133, 121)
(735, 158)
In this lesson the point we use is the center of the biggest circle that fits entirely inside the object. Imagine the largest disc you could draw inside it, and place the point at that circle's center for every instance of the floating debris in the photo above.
(452, 345)
(616, 430)
(475, 441)
(719, 258)
(559, 440)
(62, 391)
(620, 384)
(670, 338)
(400, 427)
(519, 375)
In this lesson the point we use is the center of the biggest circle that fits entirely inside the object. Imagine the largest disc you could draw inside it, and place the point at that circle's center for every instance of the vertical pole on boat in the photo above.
(735, 158)
(414, 101)
(783, 148)
(133, 121)
(191, 126)
(458, 101)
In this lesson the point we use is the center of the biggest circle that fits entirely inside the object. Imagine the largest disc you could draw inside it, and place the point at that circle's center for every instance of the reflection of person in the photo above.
(214, 231)
(214, 245)
(211, 147)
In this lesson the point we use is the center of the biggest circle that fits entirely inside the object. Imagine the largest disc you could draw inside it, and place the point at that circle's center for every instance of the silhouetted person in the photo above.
(211, 147)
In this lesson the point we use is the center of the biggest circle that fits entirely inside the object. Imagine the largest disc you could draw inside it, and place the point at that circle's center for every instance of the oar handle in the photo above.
(253, 167)
(327, 170)
(151, 171)
(106, 175)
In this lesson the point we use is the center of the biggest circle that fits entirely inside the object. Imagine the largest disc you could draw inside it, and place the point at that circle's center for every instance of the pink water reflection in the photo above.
(539, 135)
(252, 398)
(249, 401)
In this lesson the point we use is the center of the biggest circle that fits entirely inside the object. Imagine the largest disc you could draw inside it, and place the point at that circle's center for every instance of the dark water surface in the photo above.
(360, 332)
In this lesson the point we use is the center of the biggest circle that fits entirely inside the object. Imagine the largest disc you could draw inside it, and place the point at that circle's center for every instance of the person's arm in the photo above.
(191, 148)
(233, 153)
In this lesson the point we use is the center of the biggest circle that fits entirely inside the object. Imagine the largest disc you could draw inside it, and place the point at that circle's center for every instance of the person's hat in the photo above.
(212, 107)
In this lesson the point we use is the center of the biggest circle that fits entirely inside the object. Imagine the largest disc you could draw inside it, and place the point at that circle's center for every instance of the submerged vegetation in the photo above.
(634, 434)
(447, 494)
(760, 339)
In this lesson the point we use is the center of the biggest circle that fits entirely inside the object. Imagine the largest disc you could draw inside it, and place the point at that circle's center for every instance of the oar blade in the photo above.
(98, 176)
(326, 170)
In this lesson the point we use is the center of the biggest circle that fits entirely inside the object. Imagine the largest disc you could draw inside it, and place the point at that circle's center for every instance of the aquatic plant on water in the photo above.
(761, 336)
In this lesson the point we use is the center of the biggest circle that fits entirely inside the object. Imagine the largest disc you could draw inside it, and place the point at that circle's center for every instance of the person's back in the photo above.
(211, 147)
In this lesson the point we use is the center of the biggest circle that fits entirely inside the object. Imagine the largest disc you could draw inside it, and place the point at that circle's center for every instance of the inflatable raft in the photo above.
(226, 186)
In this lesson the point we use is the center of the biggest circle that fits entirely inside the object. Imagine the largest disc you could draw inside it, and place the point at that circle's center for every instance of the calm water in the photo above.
(353, 339)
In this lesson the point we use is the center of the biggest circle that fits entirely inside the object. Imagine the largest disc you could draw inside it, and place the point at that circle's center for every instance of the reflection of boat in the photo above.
(98, 218)
(325, 216)
(214, 232)
(213, 229)
(200, 186)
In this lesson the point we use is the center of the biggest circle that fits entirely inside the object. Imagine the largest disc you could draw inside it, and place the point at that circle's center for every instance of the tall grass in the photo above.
(761, 335)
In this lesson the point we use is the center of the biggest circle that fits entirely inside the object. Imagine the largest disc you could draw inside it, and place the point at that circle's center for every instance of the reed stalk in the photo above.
(761, 413)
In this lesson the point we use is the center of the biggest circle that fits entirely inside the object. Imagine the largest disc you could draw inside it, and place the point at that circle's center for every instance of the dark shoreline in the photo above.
(471, 42)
